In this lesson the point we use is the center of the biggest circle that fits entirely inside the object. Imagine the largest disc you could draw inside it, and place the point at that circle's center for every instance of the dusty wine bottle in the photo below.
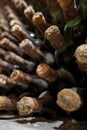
(34, 81)
(20, 4)
(30, 49)
(69, 8)
(55, 37)
(18, 32)
(71, 99)
(35, 53)
(39, 21)
(10, 46)
(27, 105)
(6, 66)
(8, 83)
(7, 35)
(45, 71)
(81, 56)
(26, 65)
(29, 12)
(7, 103)
(45, 9)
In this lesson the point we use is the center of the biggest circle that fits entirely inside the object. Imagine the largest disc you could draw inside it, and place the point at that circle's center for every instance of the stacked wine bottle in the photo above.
(43, 57)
